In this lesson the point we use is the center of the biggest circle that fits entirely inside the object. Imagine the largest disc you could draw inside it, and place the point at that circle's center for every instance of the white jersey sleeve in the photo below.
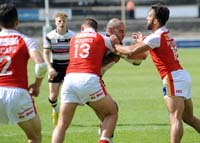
(153, 41)
(46, 43)
(108, 43)
(31, 44)
(46, 39)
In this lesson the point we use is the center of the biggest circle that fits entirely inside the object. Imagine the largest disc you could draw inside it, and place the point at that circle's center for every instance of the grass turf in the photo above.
(142, 114)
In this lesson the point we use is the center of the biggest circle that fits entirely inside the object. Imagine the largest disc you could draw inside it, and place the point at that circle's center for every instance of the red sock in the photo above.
(103, 141)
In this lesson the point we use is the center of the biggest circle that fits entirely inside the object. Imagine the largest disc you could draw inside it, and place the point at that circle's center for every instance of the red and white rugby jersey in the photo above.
(163, 51)
(14, 55)
(86, 52)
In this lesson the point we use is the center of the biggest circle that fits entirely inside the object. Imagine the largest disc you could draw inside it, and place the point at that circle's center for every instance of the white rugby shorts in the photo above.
(81, 88)
(178, 83)
(16, 105)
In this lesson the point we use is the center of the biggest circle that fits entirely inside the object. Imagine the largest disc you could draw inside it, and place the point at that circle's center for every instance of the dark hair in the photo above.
(8, 15)
(91, 22)
(161, 13)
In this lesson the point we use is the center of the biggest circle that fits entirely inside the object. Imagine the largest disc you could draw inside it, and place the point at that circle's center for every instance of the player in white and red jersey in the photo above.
(83, 84)
(16, 102)
(176, 80)
(56, 55)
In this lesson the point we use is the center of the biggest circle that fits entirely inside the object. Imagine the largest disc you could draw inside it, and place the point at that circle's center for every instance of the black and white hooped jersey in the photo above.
(59, 45)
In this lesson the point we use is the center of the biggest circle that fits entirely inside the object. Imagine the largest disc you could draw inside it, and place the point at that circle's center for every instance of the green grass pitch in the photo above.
(142, 114)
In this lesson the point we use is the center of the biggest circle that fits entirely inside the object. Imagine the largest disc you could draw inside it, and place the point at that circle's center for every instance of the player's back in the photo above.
(86, 52)
(13, 59)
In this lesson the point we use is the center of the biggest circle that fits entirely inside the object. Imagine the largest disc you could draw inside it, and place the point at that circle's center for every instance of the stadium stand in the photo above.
(102, 11)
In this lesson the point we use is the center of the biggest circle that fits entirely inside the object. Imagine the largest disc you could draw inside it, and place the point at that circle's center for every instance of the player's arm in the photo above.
(110, 55)
(110, 58)
(47, 51)
(46, 55)
(135, 51)
(40, 71)
(133, 59)
(132, 50)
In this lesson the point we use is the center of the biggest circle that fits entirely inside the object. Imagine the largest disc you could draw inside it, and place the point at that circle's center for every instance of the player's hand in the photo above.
(33, 90)
(138, 36)
(114, 40)
(52, 73)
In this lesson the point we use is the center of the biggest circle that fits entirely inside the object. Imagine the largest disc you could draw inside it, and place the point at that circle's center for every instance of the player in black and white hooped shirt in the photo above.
(56, 55)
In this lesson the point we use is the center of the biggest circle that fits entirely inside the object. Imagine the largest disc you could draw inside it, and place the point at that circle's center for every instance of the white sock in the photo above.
(55, 109)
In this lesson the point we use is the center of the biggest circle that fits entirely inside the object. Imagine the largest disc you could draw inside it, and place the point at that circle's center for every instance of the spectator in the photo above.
(131, 9)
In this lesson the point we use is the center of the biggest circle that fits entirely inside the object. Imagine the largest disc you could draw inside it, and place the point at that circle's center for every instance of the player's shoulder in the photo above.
(69, 33)
(17, 33)
(157, 34)
(152, 38)
(51, 34)
(23, 37)
(30, 43)
(103, 36)
(26, 38)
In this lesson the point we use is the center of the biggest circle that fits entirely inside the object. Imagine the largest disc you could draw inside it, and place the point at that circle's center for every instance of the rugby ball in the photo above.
(135, 60)
(131, 61)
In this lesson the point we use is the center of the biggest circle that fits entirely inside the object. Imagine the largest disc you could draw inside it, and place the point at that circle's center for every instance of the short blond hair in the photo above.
(60, 14)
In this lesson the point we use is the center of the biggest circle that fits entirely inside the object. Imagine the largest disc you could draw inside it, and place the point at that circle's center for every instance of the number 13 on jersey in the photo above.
(82, 50)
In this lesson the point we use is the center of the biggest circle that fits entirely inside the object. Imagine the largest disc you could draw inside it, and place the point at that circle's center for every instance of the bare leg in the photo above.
(106, 107)
(99, 114)
(32, 128)
(66, 114)
(54, 91)
(188, 116)
(175, 106)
